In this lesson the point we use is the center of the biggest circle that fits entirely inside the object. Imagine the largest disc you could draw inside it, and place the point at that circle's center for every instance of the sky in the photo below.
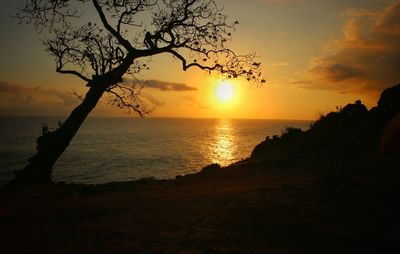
(316, 55)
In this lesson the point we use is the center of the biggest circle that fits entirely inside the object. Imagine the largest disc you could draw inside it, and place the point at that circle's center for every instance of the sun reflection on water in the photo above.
(223, 146)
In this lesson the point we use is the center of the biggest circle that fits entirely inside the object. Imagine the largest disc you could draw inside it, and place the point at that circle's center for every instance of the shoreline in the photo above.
(344, 199)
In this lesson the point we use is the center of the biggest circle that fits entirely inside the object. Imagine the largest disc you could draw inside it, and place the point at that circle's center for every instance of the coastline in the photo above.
(340, 194)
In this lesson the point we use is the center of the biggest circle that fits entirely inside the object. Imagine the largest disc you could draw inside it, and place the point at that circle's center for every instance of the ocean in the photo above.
(123, 149)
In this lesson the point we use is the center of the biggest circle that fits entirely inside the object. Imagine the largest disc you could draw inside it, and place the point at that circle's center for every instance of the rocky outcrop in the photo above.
(389, 102)
(348, 132)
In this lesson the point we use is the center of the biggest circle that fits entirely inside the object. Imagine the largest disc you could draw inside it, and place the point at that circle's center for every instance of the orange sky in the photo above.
(316, 55)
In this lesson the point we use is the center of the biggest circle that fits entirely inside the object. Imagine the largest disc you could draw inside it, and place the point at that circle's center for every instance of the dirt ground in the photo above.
(246, 208)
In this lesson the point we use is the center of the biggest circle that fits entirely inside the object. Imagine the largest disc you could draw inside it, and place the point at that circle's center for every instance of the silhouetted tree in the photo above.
(117, 37)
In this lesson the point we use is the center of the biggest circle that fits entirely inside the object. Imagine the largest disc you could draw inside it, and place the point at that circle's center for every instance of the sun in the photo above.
(224, 91)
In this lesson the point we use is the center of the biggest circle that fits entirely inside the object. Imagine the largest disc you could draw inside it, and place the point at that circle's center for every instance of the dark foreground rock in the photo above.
(344, 135)
(248, 208)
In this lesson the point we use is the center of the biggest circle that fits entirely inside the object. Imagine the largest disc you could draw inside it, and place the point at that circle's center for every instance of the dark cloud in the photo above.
(16, 98)
(22, 99)
(161, 85)
(337, 72)
(368, 58)
(67, 98)
(12, 88)
(21, 93)
(168, 86)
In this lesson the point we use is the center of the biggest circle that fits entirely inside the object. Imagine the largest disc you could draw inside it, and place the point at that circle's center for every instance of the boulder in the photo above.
(389, 102)
(390, 140)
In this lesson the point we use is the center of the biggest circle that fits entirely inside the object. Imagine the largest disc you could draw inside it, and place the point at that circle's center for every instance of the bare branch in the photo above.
(77, 95)
(46, 13)
(127, 97)
(73, 73)
(196, 32)
(233, 67)
(107, 26)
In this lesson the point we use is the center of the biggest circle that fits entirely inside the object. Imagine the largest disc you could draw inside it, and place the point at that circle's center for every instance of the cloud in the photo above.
(367, 59)
(191, 100)
(151, 99)
(194, 102)
(336, 72)
(168, 86)
(17, 99)
(161, 85)
(26, 94)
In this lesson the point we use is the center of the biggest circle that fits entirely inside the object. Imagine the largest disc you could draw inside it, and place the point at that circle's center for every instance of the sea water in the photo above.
(123, 149)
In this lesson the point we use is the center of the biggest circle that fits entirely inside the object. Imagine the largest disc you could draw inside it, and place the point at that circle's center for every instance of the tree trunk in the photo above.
(52, 144)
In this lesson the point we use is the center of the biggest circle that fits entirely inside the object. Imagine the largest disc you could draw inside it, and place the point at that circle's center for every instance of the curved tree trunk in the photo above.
(52, 144)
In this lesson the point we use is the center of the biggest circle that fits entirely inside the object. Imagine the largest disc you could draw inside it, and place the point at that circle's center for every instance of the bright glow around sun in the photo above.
(224, 91)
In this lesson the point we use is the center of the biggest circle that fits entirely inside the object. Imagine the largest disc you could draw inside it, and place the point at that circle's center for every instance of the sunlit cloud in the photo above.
(161, 85)
(367, 59)
(194, 102)
(152, 100)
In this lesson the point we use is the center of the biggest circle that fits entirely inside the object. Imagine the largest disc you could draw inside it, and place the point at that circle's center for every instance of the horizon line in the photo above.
(157, 117)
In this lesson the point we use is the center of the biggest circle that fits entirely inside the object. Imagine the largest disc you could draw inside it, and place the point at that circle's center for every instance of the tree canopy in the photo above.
(95, 39)
(101, 41)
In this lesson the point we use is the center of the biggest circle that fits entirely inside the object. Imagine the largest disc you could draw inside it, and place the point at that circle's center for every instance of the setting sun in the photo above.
(224, 91)
(199, 126)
